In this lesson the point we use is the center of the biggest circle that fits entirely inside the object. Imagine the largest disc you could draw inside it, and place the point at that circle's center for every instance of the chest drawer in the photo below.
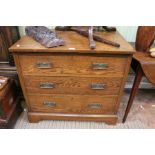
(73, 85)
(85, 104)
(68, 65)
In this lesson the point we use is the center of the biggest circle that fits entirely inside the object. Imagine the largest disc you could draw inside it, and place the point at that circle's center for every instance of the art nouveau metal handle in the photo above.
(95, 105)
(47, 85)
(98, 86)
(44, 65)
(49, 104)
(99, 66)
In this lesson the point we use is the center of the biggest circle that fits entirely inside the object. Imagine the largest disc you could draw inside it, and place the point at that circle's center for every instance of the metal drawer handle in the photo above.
(95, 105)
(49, 104)
(100, 66)
(98, 86)
(44, 65)
(47, 85)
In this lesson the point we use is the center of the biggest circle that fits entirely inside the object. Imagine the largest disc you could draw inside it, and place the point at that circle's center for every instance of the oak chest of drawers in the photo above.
(72, 82)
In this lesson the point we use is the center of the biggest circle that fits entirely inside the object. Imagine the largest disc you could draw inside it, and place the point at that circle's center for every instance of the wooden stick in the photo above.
(97, 38)
(86, 34)
(92, 43)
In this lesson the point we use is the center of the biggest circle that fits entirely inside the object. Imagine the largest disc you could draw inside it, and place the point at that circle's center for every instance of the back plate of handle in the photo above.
(49, 104)
(44, 65)
(47, 85)
(99, 66)
(95, 105)
(98, 86)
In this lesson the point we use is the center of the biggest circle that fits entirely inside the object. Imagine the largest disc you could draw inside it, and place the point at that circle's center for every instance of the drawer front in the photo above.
(72, 65)
(86, 104)
(72, 85)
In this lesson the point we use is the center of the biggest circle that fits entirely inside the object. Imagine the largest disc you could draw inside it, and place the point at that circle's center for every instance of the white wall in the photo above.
(128, 32)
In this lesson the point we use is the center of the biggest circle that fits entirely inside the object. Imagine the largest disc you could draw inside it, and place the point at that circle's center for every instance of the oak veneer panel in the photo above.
(67, 65)
(72, 73)
(74, 40)
(73, 85)
(38, 116)
(73, 103)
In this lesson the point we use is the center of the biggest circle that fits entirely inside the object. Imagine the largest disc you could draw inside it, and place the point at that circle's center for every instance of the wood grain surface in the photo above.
(77, 65)
(73, 85)
(35, 117)
(69, 71)
(73, 103)
(75, 43)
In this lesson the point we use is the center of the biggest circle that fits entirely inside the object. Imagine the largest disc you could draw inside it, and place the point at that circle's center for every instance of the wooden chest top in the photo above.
(75, 43)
